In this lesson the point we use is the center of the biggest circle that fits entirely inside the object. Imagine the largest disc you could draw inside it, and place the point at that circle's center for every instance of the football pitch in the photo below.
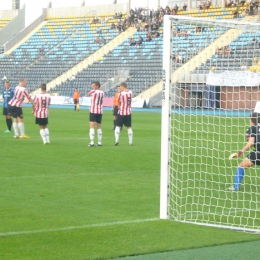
(69, 201)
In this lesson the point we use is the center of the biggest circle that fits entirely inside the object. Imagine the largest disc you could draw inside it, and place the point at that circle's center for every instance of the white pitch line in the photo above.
(15, 233)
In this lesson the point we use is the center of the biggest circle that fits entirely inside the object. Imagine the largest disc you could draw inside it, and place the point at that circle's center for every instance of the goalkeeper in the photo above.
(253, 138)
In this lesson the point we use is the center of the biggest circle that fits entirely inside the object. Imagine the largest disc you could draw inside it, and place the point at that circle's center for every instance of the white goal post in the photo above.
(210, 88)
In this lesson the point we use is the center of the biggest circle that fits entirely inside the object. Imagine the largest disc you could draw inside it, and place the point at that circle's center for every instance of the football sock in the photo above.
(16, 130)
(117, 133)
(42, 133)
(9, 122)
(99, 132)
(21, 128)
(130, 135)
(47, 135)
(239, 175)
(91, 135)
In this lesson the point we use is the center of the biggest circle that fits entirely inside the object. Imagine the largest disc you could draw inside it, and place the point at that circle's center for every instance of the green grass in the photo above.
(70, 201)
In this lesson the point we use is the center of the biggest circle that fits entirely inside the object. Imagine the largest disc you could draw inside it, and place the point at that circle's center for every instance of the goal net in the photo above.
(210, 87)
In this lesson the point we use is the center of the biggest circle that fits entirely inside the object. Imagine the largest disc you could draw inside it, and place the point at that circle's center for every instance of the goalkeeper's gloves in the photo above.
(234, 155)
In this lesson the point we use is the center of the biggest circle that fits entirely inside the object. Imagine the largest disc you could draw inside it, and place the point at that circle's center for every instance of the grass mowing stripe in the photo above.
(64, 175)
(78, 227)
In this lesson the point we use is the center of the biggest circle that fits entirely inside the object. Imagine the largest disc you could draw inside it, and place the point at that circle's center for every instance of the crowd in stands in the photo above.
(177, 57)
(145, 19)
(150, 21)
(223, 50)
(204, 5)
(253, 7)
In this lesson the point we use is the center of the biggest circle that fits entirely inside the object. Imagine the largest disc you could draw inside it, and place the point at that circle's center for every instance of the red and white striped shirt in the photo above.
(96, 103)
(42, 102)
(19, 94)
(125, 101)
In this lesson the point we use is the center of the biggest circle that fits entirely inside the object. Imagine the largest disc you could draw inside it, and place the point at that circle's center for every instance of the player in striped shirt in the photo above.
(15, 108)
(124, 116)
(96, 111)
(41, 111)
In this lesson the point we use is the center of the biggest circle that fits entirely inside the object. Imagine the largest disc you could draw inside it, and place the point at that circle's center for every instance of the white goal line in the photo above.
(15, 233)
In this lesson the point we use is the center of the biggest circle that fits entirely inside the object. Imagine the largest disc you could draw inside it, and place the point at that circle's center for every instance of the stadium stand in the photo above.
(65, 41)
(4, 22)
(60, 44)
(217, 12)
(144, 63)
(244, 50)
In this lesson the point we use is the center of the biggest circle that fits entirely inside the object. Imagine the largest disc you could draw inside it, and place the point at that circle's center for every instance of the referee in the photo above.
(115, 107)
(8, 94)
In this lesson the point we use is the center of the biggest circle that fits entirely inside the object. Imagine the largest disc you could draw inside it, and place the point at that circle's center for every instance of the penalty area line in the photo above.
(28, 232)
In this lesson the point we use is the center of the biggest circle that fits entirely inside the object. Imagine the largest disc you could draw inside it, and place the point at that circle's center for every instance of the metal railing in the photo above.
(113, 82)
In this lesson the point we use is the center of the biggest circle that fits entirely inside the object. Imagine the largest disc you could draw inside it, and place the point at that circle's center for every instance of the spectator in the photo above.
(173, 57)
(184, 8)
(132, 42)
(178, 58)
(113, 26)
(140, 41)
(98, 40)
(254, 41)
(227, 50)
(208, 4)
(175, 8)
(230, 4)
(256, 7)
(41, 50)
(243, 67)
(105, 20)
(251, 8)
(155, 34)
(148, 37)
(235, 13)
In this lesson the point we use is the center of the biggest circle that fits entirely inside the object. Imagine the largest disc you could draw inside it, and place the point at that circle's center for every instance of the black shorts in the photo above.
(254, 157)
(76, 101)
(6, 111)
(15, 111)
(95, 118)
(124, 120)
(115, 111)
(41, 121)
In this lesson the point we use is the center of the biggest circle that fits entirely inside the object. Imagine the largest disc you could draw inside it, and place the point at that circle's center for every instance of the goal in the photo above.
(210, 87)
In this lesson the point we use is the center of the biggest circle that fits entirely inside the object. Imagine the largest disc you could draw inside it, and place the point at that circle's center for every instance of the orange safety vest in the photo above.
(76, 95)
(116, 103)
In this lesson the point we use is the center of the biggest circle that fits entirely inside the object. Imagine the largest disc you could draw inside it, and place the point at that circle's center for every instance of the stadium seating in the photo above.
(144, 61)
(243, 52)
(3, 22)
(65, 41)
(215, 12)
(57, 46)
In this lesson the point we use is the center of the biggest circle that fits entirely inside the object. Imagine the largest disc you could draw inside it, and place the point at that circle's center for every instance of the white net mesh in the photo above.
(214, 88)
